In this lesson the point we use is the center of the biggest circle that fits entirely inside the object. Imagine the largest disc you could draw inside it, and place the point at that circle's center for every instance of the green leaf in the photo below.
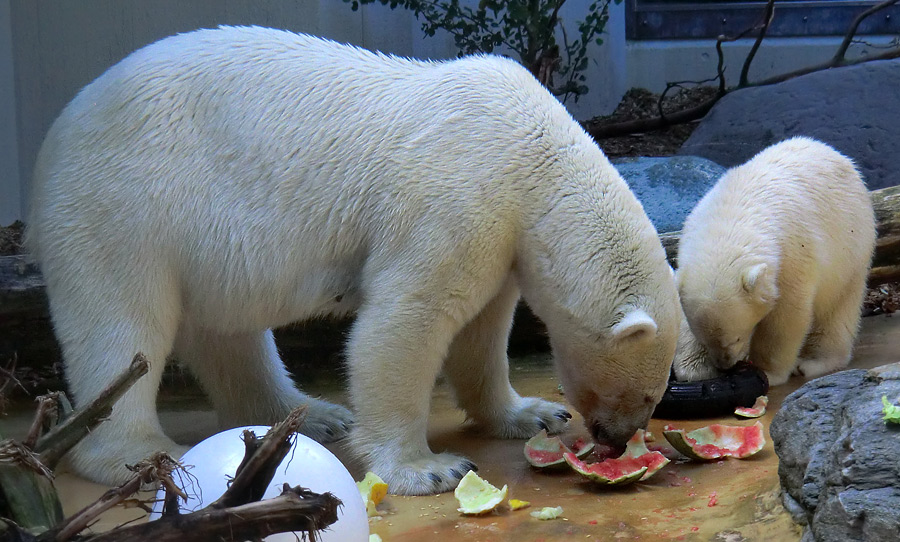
(891, 412)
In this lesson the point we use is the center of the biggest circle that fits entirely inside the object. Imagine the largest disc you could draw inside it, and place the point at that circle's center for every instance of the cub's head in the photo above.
(723, 310)
(615, 376)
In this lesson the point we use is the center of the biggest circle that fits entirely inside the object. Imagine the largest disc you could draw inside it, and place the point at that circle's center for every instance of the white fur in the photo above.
(773, 261)
(219, 183)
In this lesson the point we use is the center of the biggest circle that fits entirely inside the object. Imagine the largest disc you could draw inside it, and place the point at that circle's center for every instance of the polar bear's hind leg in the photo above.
(97, 353)
(248, 384)
(830, 346)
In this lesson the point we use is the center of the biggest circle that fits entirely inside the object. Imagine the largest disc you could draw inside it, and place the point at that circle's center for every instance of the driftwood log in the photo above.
(30, 510)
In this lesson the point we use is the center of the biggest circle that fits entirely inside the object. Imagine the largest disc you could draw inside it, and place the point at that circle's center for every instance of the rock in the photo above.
(849, 108)
(669, 187)
(838, 460)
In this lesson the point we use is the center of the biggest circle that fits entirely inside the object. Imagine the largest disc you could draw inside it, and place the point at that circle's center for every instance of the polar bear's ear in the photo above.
(758, 282)
(636, 324)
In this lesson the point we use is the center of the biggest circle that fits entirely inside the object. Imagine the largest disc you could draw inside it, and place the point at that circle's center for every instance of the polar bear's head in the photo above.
(723, 310)
(616, 376)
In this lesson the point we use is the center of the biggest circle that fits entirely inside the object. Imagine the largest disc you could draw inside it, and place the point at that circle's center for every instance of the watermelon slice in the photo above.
(636, 448)
(756, 411)
(477, 496)
(611, 472)
(717, 441)
(543, 451)
(636, 464)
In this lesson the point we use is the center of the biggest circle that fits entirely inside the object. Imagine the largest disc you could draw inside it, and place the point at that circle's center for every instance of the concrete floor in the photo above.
(723, 500)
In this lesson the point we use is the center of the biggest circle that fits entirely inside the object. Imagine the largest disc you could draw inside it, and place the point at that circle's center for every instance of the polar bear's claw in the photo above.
(528, 416)
(326, 422)
(426, 476)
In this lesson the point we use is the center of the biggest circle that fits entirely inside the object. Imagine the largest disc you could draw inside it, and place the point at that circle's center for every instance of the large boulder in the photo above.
(838, 459)
(855, 109)
(669, 187)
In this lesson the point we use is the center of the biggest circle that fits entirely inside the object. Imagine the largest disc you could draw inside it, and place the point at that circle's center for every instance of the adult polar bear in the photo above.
(219, 183)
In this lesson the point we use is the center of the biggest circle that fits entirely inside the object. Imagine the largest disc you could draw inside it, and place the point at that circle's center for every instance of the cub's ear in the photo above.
(636, 324)
(758, 281)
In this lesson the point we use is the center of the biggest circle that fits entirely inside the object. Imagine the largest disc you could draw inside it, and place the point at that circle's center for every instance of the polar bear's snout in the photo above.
(615, 433)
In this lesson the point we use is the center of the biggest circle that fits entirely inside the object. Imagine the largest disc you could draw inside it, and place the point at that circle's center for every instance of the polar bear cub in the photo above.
(220, 183)
(773, 261)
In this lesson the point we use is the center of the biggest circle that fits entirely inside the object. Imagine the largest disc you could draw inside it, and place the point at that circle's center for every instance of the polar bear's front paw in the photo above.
(528, 416)
(430, 475)
(326, 422)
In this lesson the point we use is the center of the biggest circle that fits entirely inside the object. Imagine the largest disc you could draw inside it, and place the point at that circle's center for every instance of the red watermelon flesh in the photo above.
(543, 451)
(717, 441)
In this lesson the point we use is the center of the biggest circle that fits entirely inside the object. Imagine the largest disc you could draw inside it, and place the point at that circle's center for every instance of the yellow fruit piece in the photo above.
(477, 496)
(547, 512)
(516, 504)
(372, 489)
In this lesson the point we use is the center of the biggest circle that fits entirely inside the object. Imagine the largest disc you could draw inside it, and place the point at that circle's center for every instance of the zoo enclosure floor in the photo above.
(719, 500)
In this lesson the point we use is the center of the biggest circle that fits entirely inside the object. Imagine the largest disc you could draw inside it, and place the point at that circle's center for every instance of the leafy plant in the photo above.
(530, 28)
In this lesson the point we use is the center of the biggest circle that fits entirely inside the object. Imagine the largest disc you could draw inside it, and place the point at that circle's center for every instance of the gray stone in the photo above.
(839, 461)
(854, 109)
(669, 187)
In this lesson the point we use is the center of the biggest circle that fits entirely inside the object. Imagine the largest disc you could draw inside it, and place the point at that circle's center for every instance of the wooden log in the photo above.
(27, 494)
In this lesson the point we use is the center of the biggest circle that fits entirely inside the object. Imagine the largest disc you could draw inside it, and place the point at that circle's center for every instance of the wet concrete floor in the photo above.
(729, 500)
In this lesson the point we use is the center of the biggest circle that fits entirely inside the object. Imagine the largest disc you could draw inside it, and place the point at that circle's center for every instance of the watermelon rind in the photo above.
(717, 441)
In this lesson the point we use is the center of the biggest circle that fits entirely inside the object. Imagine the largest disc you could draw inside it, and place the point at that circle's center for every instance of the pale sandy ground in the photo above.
(725, 500)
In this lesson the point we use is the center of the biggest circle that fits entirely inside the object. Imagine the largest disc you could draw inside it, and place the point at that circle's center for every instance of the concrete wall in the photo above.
(650, 64)
(10, 187)
(57, 47)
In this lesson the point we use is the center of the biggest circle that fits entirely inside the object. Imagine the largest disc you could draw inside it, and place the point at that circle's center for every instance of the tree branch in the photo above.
(260, 461)
(768, 15)
(53, 445)
(149, 471)
(838, 58)
(296, 509)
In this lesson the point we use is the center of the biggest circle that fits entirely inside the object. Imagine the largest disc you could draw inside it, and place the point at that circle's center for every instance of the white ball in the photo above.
(309, 464)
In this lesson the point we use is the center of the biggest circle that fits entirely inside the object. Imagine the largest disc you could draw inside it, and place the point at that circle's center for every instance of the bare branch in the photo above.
(600, 131)
(260, 462)
(53, 445)
(46, 404)
(148, 471)
(839, 55)
(296, 509)
(9, 380)
(768, 15)
(886, 55)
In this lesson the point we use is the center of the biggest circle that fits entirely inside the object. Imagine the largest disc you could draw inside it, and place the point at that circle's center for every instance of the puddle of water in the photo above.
(729, 500)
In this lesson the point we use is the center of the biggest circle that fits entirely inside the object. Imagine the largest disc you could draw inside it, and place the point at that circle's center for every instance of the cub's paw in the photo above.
(326, 422)
(812, 368)
(777, 378)
(428, 475)
(527, 417)
(695, 372)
